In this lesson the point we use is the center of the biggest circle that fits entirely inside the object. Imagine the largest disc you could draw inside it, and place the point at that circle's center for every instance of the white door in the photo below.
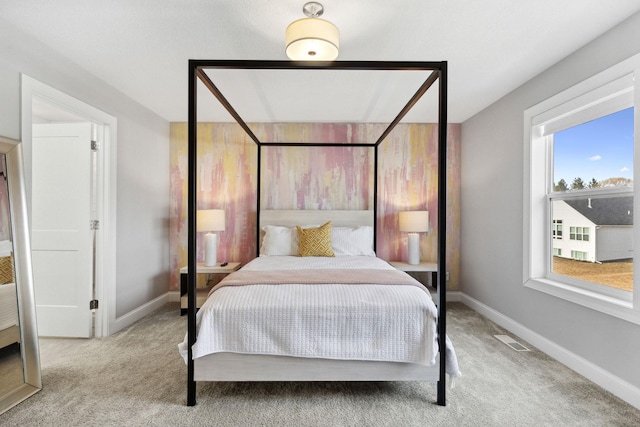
(62, 245)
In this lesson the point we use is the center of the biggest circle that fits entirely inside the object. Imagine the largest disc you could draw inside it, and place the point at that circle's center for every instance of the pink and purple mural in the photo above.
(5, 213)
(317, 178)
(314, 178)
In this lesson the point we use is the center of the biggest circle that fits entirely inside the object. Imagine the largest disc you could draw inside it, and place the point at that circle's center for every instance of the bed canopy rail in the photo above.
(197, 72)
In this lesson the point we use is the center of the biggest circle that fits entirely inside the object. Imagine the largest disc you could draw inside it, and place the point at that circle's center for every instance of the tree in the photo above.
(561, 186)
(594, 183)
(578, 184)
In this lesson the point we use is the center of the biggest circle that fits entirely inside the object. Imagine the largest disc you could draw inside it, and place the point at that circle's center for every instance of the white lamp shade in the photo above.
(210, 220)
(312, 39)
(414, 221)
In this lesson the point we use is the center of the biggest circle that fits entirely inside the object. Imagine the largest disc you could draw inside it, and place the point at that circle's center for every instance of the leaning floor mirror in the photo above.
(19, 354)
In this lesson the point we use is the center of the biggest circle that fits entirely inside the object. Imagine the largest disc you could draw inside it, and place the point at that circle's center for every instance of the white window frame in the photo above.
(598, 96)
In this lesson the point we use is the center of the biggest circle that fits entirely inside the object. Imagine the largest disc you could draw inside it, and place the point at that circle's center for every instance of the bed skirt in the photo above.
(252, 367)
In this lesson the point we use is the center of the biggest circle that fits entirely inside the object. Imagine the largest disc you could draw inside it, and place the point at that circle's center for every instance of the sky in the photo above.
(600, 149)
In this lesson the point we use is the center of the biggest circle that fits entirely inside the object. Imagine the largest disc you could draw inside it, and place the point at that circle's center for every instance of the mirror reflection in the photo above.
(11, 370)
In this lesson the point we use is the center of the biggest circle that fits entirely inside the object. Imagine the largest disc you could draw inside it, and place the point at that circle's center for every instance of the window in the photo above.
(579, 255)
(595, 158)
(579, 233)
(580, 150)
(557, 229)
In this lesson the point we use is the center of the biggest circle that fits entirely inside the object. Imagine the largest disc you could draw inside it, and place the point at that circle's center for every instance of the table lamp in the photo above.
(210, 220)
(414, 222)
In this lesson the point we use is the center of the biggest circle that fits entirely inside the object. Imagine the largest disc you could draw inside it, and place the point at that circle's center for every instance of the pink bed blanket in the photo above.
(319, 277)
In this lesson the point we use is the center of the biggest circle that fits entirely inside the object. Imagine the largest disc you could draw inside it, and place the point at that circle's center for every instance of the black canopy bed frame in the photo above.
(197, 72)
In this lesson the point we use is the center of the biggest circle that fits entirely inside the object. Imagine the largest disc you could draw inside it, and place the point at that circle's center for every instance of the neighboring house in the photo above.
(593, 229)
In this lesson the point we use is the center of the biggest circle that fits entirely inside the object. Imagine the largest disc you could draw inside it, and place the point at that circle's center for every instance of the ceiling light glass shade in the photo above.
(312, 39)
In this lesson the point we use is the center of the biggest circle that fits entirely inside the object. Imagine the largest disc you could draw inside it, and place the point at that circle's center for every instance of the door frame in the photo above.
(105, 315)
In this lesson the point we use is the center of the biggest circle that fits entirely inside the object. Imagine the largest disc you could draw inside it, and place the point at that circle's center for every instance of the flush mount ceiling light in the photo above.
(312, 38)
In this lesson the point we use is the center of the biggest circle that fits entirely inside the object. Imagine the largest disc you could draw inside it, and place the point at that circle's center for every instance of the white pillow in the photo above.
(6, 247)
(352, 241)
(280, 241)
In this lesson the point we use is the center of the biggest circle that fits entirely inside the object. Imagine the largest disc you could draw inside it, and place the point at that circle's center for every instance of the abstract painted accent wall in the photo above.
(5, 216)
(314, 178)
(226, 180)
(317, 178)
(408, 180)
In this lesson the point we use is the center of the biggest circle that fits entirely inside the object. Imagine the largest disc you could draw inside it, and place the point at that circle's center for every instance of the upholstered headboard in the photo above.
(338, 218)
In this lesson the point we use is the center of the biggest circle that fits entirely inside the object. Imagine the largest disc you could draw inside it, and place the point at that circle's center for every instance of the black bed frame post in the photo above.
(191, 232)
(259, 173)
(442, 235)
(375, 197)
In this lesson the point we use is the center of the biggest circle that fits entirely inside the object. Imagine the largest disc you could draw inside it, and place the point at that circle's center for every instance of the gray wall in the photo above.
(142, 161)
(614, 242)
(492, 212)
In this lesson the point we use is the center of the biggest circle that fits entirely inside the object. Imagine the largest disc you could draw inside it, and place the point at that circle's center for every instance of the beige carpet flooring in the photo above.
(136, 378)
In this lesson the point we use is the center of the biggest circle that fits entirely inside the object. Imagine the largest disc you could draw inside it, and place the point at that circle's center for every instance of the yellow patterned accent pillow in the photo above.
(315, 241)
(6, 269)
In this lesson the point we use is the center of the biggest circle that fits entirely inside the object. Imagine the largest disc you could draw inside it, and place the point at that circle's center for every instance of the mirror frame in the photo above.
(24, 276)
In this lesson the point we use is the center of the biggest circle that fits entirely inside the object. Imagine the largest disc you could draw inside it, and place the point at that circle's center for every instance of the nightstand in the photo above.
(429, 267)
(201, 292)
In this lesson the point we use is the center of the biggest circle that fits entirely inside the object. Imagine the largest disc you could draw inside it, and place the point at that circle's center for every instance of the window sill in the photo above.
(605, 304)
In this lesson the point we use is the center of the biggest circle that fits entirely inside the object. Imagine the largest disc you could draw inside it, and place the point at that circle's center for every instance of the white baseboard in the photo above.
(616, 385)
(173, 296)
(454, 296)
(134, 315)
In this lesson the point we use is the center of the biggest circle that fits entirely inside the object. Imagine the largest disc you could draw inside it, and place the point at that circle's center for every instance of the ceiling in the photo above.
(141, 48)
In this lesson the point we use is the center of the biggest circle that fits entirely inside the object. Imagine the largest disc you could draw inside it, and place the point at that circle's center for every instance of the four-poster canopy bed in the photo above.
(213, 361)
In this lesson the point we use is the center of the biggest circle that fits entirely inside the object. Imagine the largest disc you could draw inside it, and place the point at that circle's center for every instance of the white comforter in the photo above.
(336, 321)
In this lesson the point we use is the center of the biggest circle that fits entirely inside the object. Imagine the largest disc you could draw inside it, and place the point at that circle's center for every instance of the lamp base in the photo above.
(413, 249)
(210, 249)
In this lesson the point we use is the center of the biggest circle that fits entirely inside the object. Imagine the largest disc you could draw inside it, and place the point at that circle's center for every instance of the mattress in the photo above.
(8, 306)
(394, 323)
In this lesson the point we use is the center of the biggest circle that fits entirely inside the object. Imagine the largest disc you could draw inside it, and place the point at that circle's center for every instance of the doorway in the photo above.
(70, 146)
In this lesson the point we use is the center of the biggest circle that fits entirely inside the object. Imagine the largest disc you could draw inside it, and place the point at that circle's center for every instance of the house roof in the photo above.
(605, 211)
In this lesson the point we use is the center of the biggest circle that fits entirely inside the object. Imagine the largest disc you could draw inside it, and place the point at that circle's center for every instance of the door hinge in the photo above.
(95, 224)
(93, 304)
(95, 145)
